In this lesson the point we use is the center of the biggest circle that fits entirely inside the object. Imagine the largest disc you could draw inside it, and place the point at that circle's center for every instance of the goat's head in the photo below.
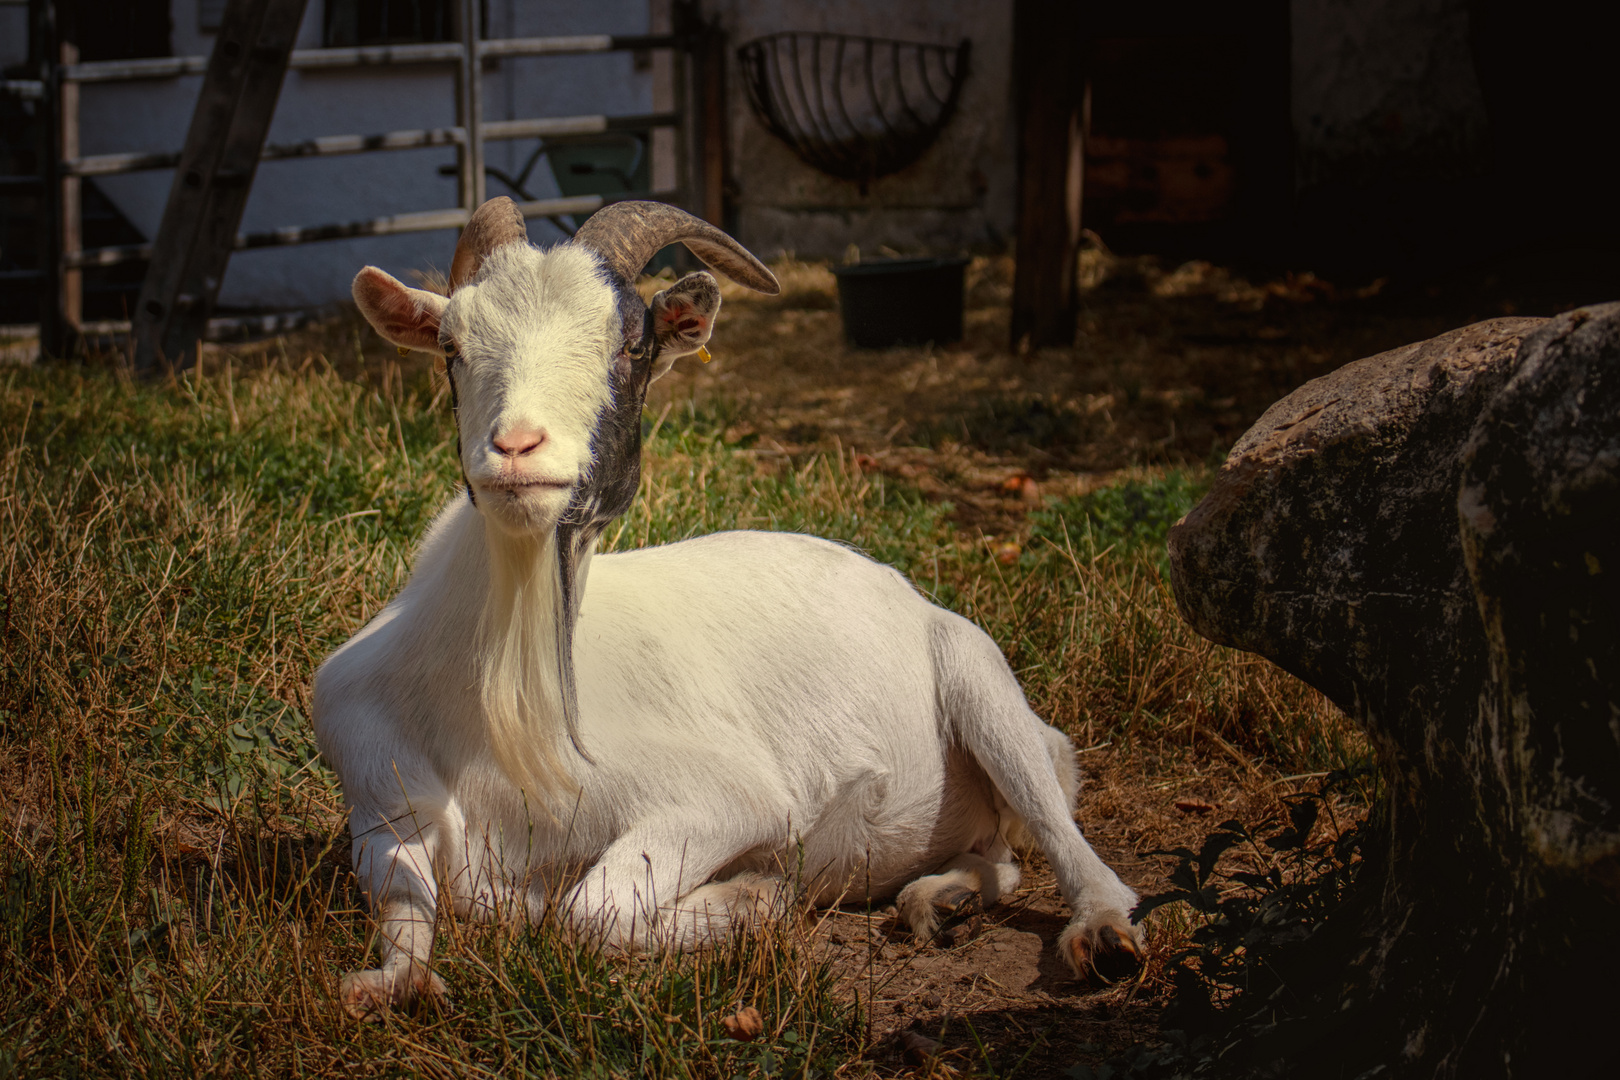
(550, 353)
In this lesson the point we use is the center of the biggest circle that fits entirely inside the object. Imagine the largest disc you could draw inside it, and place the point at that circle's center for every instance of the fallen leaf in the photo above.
(1194, 806)
(744, 1025)
(1021, 485)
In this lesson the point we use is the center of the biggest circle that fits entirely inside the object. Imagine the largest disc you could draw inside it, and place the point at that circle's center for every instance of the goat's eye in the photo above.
(450, 350)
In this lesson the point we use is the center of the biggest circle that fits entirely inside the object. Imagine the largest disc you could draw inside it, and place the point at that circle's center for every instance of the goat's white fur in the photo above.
(755, 706)
(552, 310)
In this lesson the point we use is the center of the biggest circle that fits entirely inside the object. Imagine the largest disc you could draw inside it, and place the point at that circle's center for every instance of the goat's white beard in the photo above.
(521, 683)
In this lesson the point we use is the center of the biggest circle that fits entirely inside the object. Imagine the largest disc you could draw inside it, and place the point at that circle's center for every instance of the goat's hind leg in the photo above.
(1032, 767)
(947, 906)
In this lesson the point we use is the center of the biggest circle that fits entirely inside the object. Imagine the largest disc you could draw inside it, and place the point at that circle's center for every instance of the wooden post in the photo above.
(1048, 53)
(211, 184)
(470, 109)
(54, 340)
(661, 140)
(711, 131)
(686, 20)
(71, 205)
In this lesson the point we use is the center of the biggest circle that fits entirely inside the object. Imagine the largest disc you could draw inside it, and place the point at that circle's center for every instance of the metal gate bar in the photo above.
(63, 170)
(449, 52)
(336, 145)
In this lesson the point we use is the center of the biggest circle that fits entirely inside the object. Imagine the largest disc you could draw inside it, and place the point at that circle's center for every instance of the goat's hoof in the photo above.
(960, 912)
(372, 995)
(1108, 952)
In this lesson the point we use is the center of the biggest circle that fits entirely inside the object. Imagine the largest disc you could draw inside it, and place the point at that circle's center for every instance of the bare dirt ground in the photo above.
(1003, 998)
(1170, 367)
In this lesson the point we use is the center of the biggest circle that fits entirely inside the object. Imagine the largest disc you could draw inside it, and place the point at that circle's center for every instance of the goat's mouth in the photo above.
(517, 488)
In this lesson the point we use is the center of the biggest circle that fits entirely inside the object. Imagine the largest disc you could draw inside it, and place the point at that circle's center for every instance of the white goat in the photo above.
(750, 707)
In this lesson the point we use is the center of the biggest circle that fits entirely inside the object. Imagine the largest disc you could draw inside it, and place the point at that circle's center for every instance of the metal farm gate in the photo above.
(245, 107)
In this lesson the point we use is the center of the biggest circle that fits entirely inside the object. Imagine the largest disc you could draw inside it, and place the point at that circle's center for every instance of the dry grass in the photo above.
(177, 897)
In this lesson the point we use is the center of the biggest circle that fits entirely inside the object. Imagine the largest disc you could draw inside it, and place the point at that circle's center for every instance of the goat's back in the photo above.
(744, 624)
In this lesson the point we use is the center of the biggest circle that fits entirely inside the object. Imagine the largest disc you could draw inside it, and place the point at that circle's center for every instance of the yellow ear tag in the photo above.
(403, 351)
(703, 354)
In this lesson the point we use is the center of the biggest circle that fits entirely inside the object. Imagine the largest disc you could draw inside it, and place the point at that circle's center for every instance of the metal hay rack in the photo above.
(854, 107)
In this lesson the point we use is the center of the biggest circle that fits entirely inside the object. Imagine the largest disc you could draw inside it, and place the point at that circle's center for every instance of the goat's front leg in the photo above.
(394, 860)
(647, 890)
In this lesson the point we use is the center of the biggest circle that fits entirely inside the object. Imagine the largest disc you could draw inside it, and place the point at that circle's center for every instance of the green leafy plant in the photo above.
(1249, 983)
(1255, 919)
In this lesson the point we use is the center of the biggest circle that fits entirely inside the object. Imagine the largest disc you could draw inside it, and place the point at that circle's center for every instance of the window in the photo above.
(129, 30)
(210, 13)
(388, 22)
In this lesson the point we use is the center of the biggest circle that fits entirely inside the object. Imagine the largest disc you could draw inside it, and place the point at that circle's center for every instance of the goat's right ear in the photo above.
(405, 316)
(683, 317)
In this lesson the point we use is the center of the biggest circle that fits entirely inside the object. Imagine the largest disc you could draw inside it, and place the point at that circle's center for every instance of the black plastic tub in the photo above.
(901, 301)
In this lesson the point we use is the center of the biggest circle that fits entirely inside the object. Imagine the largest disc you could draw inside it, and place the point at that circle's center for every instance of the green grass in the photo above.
(180, 557)
(1129, 517)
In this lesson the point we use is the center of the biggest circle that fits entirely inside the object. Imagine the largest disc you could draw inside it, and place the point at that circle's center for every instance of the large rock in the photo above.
(1331, 544)
(1540, 516)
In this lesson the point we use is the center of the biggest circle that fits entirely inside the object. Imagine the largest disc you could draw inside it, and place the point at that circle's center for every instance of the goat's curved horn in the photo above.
(628, 234)
(495, 223)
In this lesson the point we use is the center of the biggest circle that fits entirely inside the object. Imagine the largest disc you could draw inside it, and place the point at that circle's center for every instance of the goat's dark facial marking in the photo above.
(616, 442)
(650, 338)
(616, 473)
(448, 346)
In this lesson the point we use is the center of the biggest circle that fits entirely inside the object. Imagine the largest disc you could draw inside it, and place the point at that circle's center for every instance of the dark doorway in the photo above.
(1188, 140)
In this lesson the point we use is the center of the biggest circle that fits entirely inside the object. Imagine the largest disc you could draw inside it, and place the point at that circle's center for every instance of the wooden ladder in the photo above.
(212, 181)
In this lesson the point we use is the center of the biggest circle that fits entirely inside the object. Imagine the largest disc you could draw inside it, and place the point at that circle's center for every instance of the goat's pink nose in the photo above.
(520, 441)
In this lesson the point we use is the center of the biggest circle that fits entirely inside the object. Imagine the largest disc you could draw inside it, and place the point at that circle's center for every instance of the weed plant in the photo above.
(1251, 984)
(178, 559)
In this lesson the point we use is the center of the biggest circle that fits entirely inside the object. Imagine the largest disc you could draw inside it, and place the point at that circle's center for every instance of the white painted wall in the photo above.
(960, 194)
(154, 115)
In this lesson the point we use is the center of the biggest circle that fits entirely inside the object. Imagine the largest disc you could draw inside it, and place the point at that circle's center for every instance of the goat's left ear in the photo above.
(683, 318)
